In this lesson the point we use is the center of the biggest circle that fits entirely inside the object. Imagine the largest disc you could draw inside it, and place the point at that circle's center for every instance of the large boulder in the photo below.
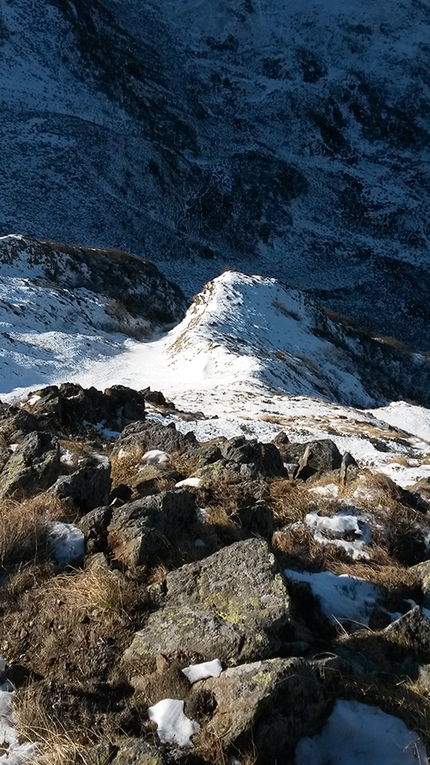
(32, 467)
(312, 458)
(232, 605)
(272, 704)
(140, 530)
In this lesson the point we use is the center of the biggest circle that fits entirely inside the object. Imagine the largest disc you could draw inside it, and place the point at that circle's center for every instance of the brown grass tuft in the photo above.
(24, 528)
(290, 501)
(124, 467)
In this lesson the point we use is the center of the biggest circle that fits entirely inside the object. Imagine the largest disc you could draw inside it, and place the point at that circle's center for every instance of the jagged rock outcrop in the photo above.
(135, 533)
(151, 435)
(69, 407)
(85, 489)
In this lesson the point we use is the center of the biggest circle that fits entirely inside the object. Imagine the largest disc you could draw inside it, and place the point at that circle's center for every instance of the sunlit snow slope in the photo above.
(251, 354)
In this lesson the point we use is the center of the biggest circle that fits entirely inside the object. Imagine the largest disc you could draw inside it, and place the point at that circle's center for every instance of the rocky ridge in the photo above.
(302, 573)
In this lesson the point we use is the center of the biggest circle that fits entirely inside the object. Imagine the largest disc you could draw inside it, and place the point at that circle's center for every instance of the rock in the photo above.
(423, 572)
(32, 467)
(317, 457)
(152, 435)
(142, 529)
(86, 489)
(253, 457)
(348, 462)
(121, 493)
(15, 423)
(69, 407)
(412, 632)
(272, 703)
(256, 520)
(232, 605)
(94, 526)
(158, 398)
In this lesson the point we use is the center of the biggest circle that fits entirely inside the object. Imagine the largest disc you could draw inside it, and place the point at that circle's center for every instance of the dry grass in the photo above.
(55, 745)
(95, 591)
(290, 501)
(24, 528)
(125, 466)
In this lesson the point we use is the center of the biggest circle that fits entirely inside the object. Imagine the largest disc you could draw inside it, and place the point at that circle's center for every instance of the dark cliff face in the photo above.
(288, 143)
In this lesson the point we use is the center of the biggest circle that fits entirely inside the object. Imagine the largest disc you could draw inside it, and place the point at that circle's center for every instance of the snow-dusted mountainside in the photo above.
(250, 356)
(289, 140)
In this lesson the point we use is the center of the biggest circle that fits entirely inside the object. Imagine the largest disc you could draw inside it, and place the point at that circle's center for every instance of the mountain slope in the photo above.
(251, 356)
(61, 307)
(291, 142)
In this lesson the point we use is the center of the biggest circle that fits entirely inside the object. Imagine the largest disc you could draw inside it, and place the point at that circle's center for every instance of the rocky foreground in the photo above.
(131, 554)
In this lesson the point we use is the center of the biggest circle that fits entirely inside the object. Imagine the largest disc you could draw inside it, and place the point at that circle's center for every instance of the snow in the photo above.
(337, 528)
(197, 672)
(67, 543)
(193, 481)
(153, 457)
(246, 355)
(341, 598)
(173, 726)
(15, 753)
(358, 734)
(407, 417)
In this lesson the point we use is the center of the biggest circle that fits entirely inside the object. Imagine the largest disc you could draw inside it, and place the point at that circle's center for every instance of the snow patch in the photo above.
(197, 672)
(338, 530)
(67, 543)
(173, 726)
(154, 457)
(358, 734)
(341, 598)
(193, 481)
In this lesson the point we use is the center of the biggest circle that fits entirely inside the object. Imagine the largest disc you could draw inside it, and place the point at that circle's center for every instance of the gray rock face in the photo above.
(253, 457)
(33, 466)
(273, 703)
(151, 435)
(232, 605)
(15, 423)
(140, 530)
(94, 526)
(313, 457)
(86, 489)
(413, 631)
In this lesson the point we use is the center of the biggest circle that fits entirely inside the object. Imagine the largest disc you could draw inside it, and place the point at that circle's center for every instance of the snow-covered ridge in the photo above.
(256, 330)
(253, 353)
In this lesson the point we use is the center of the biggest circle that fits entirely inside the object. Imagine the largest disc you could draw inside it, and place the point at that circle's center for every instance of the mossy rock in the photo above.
(232, 605)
